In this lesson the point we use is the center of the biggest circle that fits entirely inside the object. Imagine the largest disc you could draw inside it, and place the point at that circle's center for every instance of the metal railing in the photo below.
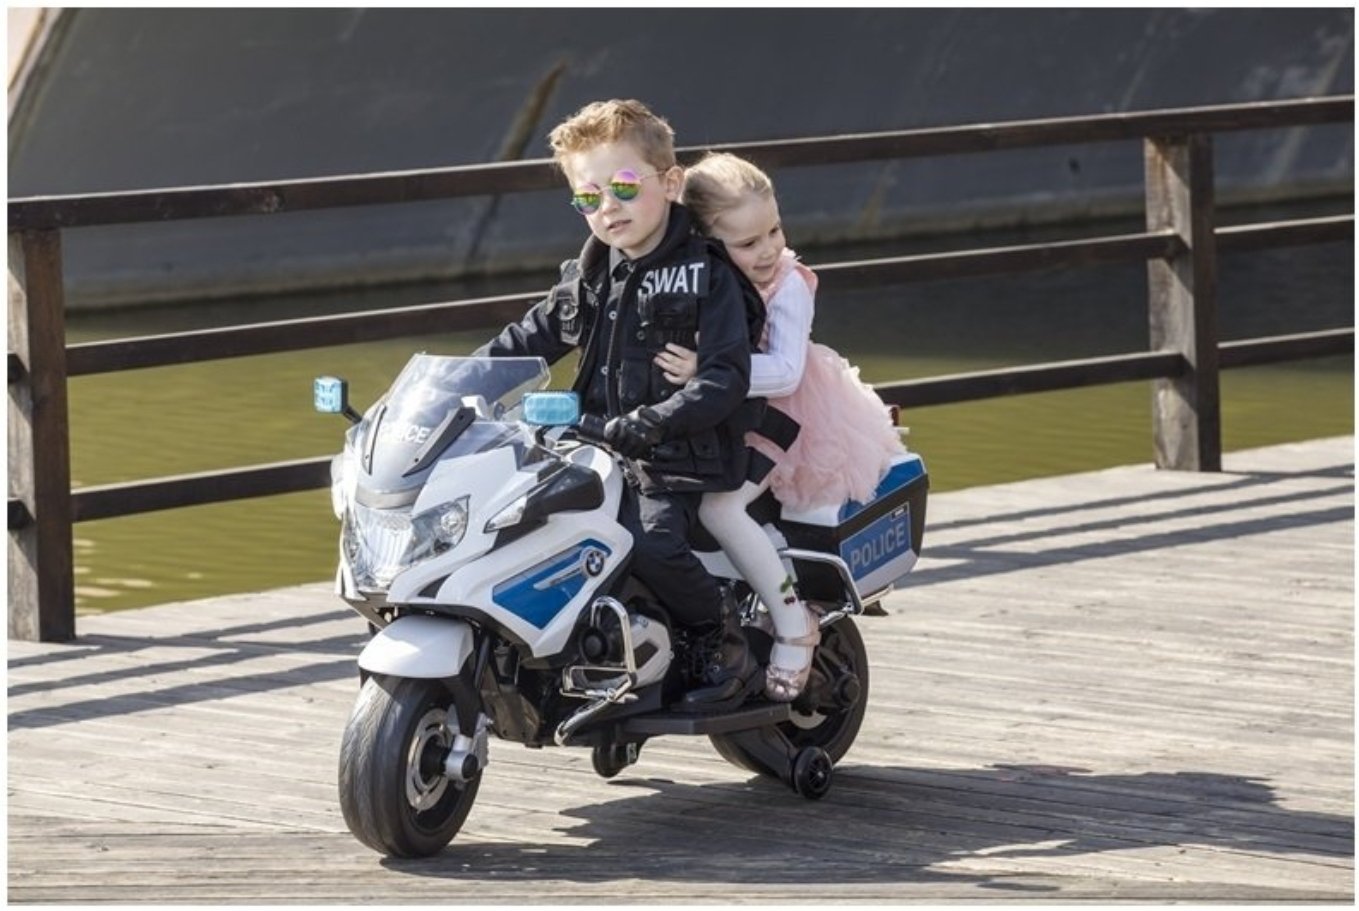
(1180, 245)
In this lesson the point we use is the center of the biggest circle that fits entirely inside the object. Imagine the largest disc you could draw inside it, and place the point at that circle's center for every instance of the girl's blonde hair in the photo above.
(720, 182)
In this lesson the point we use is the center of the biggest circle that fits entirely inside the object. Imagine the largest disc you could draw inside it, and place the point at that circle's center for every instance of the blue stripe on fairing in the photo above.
(900, 475)
(521, 596)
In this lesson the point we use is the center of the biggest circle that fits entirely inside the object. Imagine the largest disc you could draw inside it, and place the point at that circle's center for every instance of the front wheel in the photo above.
(828, 720)
(393, 791)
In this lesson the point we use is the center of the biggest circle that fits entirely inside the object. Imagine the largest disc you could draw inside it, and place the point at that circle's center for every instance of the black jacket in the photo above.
(680, 289)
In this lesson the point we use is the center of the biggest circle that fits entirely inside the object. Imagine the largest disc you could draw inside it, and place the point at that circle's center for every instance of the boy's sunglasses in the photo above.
(625, 185)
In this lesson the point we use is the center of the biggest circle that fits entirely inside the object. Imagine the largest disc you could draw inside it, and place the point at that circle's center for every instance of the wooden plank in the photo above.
(539, 174)
(985, 384)
(1131, 711)
(39, 558)
(307, 474)
(89, 358)
(999, 260)
(1109, 127)
(295, 335)
(131, 498)
(1182, 303)
(1323, 230)
(1251, 352)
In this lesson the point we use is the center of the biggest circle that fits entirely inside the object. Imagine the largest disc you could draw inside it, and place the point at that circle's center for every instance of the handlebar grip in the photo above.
(590, 428)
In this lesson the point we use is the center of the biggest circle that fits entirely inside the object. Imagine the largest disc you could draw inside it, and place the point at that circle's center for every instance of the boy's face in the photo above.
(635, 226)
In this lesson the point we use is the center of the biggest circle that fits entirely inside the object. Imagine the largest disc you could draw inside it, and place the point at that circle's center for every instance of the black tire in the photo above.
(812, 773)
(609, 760)
(389, 802)
(833, 731)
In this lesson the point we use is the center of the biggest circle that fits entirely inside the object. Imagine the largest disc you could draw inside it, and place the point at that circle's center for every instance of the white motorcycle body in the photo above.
(482, 544)
(534, 587)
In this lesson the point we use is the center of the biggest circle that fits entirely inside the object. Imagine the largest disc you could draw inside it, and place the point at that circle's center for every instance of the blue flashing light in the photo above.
(330, 394)
(552, 409)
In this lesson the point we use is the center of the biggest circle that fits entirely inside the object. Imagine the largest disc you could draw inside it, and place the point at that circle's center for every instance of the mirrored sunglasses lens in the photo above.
(625, 189)
(586, 202)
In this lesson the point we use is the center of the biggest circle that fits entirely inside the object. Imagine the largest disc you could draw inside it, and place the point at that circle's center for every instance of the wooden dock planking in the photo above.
(1124, 685)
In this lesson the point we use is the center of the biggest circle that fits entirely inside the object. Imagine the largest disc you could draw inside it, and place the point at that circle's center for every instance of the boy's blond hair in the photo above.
(720, 182)
(615, 120)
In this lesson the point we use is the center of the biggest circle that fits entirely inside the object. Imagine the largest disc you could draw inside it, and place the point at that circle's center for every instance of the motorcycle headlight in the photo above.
(375, 543)
(437, 530)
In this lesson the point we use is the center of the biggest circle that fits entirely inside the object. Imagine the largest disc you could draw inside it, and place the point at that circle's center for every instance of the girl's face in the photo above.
(753, 236)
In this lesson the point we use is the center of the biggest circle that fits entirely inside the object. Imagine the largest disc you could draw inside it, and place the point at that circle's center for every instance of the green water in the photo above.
(178, 420)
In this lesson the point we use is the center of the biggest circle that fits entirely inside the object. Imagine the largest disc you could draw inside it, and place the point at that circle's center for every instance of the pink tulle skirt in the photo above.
(847, 439)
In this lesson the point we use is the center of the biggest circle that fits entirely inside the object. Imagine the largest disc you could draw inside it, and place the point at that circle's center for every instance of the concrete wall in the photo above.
(132, 99)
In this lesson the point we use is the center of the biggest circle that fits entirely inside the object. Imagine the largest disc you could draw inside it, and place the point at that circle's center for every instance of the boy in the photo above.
(644, 279)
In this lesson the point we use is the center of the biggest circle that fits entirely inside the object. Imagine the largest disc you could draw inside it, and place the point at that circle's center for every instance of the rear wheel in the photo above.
(393, 791)
(829, 715)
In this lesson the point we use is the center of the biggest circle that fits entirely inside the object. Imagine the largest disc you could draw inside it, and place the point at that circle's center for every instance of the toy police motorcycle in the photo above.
(481, 543)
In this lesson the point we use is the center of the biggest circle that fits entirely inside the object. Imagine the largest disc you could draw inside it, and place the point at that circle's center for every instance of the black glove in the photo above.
(634, 434)
(590, 428)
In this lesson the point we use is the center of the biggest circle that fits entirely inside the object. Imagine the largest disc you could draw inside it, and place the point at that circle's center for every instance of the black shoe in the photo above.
(731, 673)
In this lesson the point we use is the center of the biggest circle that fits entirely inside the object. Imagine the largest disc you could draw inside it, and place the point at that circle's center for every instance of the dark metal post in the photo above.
(41, 575)
(1182, 303)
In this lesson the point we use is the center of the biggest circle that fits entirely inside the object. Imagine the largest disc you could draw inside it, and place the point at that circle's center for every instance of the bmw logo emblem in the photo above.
(594, 561)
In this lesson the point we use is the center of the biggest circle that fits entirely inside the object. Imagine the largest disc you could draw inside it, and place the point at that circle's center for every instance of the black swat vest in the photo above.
(667, 298)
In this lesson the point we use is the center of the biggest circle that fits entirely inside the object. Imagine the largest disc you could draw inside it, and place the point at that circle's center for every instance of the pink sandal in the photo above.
(783, 684)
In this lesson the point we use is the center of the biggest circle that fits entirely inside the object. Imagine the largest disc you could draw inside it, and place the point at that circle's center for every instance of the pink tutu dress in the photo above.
(847, 439)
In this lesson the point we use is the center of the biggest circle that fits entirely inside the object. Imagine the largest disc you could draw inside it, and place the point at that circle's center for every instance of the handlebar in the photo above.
(590, 428)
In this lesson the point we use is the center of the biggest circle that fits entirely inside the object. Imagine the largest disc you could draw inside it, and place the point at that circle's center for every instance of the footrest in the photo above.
(744, 718)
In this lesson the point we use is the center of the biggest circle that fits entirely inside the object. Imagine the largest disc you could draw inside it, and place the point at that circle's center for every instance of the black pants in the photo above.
(662, 558)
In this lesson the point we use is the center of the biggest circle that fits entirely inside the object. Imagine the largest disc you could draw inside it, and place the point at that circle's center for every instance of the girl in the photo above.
(847, 439)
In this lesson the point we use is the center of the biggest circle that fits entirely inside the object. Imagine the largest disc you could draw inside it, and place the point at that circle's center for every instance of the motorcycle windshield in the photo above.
(429, 390)
(430, 384)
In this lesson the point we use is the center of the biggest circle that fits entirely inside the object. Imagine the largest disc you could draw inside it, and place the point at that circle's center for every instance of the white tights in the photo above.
(750, 551)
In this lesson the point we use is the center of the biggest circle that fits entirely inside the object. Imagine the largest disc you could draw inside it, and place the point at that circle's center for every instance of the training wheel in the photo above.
(812, 772)
(613, 758)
